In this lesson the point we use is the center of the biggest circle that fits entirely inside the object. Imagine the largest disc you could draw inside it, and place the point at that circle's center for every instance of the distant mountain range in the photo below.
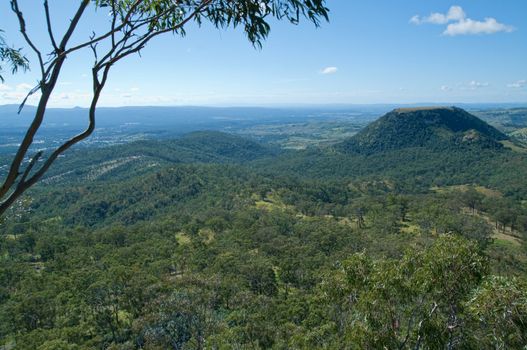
(185, 118)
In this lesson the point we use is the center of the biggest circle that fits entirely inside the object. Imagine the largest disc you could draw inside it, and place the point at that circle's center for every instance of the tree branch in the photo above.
(107, 34)
(22, 24)
(419, 337)
(31, 92)
(139, 44)
(48, 23)
(73, 24)
(47, 85)
(24, 185)
(29, 167)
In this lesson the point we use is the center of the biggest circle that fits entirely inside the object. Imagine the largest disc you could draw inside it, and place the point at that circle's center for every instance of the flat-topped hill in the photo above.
(442, 127)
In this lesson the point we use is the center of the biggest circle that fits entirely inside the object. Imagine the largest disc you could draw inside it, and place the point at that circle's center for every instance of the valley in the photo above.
(258, 237)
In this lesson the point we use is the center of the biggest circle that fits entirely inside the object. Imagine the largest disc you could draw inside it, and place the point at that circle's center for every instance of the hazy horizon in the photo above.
(490, 104)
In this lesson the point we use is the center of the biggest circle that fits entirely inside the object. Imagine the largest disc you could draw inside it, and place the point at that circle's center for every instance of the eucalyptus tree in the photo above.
(132, 25)
(12, 57)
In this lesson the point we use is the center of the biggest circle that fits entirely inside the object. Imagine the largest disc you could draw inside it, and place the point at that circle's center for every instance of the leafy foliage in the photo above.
(252, 16)
(12, 57)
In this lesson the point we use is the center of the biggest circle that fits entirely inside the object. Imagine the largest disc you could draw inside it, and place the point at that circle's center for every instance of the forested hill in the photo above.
(223, 146)
(212, 240)
(139, 158)
(433, 127)
(418, 149)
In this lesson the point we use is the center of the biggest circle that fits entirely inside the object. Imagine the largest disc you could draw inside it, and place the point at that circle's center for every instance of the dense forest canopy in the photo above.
(216, 241)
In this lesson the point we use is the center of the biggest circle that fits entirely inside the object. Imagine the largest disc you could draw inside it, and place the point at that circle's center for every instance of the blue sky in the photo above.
(375, 51)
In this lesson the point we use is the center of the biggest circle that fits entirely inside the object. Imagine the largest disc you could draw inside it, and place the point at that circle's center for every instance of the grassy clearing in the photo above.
(272, 202)
(514, 147)
(500, 236)
(206, 235)
(410, 228)
(182, 238)
(463, 188)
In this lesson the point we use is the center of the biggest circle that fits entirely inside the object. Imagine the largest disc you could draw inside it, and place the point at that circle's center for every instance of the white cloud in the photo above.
(473, 85)
(518, 84)
(464, 86)
(455, 13)
(15, 96)
(459, 24)
(24, 87)
(70, 99)
(329, 70)
(134, 89)
(471, 27)
(9, 94)
(415, 19)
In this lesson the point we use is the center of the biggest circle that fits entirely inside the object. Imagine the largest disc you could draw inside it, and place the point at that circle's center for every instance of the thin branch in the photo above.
(139, 44)
(94, 50)
(126, 36)
(73, 24)
(50, 30)
(98, 87)
(419, 337)
(19, 190)
(114, 19)
(30, 166)
(134, 26)
(22, 23)
(93, 41)
(31, 92)
(106, 35)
